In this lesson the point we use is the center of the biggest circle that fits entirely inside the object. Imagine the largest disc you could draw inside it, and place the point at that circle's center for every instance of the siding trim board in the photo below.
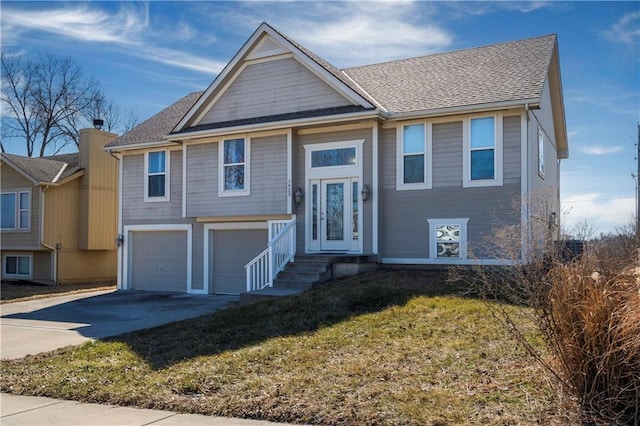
(128, 229)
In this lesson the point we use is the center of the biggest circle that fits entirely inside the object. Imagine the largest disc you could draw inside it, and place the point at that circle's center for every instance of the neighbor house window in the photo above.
(156, 176)
(483, 151)
(448, 239)
(540, 153)
(414, 156)
(15, 210)
(234, 167)
(16, 266)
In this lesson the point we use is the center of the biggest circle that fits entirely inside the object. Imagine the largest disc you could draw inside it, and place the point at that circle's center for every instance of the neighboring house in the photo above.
(59, 214)
(414, 161)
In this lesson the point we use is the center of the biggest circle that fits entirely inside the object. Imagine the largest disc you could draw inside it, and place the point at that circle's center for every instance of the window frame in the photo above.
(497, 179)
(433, 240)
(222, 192)
(166, 173)
(17, 222)
(428, 157)
(17, 275)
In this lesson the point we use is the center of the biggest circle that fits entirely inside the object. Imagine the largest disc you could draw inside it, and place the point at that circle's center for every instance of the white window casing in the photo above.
(468, 149)
(17, 266)
(16, 214)
(163, 172)
(234, 164)
(451, 247)
(422, 148)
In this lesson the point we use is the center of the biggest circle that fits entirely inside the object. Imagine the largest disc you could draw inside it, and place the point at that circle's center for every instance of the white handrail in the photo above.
(281, 249)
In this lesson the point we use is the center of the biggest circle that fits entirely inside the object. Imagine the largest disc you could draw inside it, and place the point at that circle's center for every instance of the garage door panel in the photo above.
(159, 261)
(230, 250)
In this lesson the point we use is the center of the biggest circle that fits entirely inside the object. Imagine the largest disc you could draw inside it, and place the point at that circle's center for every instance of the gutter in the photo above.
(533, 103)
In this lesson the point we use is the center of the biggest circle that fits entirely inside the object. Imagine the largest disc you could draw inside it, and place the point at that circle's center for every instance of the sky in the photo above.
(147, 55)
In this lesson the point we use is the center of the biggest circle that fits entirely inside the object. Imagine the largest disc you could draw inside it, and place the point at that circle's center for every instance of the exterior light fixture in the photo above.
(119, 240)
(298, 197)
(365, 192)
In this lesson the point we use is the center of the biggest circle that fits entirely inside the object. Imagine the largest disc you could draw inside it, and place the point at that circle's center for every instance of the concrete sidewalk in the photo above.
(35, 410)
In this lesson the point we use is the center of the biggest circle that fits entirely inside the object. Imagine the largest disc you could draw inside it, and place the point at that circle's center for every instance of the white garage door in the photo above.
(158, 260)
(229, 251)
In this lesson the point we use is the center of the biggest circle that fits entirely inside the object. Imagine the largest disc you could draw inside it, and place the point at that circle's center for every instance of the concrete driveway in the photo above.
(43, 325)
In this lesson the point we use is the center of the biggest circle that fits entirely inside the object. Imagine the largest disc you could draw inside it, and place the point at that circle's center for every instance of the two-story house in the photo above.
(59, 214)
(414, 161)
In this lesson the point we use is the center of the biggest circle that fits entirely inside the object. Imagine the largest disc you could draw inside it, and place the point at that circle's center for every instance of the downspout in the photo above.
(526, 232)
(120, 237)
(43, 188)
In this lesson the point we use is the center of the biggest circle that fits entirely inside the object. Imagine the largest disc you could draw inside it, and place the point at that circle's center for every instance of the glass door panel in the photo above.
(335, 202)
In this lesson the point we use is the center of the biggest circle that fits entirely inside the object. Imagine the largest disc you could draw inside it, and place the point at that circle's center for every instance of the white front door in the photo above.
(335, 215)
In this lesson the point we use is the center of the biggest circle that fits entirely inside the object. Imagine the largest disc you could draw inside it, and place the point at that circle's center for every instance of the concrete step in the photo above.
(318, 267)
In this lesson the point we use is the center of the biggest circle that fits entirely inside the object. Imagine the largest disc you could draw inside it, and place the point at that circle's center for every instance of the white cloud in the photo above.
(627, 29)
(127, 29)
(600, 150)
(602, 213)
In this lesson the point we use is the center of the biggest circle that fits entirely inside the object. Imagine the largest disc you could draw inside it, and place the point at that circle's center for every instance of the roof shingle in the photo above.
(45, 169)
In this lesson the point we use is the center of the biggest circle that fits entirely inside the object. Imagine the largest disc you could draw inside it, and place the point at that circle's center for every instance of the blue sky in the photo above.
(146, 55)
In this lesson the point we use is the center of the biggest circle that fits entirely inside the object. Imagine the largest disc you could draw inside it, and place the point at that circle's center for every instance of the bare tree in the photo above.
(45, 101)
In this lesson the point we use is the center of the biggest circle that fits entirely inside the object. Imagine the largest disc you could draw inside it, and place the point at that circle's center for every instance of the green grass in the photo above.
(388, 347)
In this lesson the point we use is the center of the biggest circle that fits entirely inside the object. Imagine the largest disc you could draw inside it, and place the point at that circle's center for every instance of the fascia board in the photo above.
(142, 145)
(465, 109)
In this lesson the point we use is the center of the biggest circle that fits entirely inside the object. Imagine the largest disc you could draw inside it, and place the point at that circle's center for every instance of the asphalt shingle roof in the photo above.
(502, 72)
(45, 169)
(512, 71)
(155, 128)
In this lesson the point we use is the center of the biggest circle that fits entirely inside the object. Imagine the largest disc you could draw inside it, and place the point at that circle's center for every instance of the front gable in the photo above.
(271, 77)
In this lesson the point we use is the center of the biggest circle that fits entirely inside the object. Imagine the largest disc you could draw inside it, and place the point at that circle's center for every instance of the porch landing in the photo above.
(306, 271)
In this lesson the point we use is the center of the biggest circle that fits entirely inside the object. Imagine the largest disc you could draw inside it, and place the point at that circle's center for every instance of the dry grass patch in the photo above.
(389, 347)
(15, 291)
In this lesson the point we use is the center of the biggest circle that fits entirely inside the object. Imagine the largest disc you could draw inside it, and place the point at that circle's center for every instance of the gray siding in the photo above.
(404, 230)
(268, 180)
(135, 208)
(299, 179)
(273, 87)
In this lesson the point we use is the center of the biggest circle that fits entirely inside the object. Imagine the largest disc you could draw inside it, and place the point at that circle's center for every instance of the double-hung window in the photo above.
(483, 151)
(540, 153)
(15, 208)
(16, 266)
(156, 187)
(234, 167)
(414, 156)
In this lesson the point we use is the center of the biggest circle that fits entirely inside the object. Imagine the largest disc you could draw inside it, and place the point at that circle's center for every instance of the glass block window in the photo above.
(448, 239)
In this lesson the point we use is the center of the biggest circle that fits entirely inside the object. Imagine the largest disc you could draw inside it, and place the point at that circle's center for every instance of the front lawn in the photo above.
(14, 291)
(387, 347)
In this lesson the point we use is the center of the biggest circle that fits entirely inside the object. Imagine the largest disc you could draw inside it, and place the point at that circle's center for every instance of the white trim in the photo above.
(184, 181)
(29, 255)
(289, 171)
(247, 169)
(119, 283)
(62, 169)
(128, 229)
(427, 261)
(167, 174)
(524, 186)
(433, 241)
(428, 160)
(337, 171)
(466, 152)
(374, 189)
(207, 285)
(466, 109)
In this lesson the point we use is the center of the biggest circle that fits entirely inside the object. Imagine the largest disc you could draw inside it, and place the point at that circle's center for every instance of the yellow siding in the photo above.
(87, 266)
(62, 206)
(98, 208)
(11, 181)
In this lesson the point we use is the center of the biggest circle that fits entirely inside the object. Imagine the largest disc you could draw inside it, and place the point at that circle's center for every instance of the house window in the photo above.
(156, 176)
(483, 151)
(333, 157)
(16, 266)
(234, 170)
(15, 208)
(414, 156)
(540, 153)
(448, 238)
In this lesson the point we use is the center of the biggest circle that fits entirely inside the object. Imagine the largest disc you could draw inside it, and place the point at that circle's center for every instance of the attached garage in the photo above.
(158, 258)
(228, 248)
